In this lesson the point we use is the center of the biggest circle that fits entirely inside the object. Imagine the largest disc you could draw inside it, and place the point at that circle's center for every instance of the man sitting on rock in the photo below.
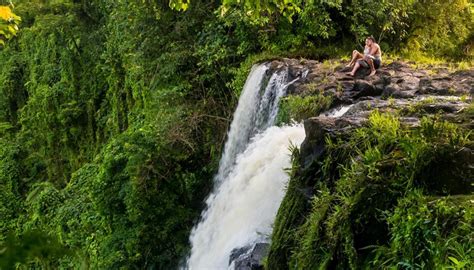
(372, 57)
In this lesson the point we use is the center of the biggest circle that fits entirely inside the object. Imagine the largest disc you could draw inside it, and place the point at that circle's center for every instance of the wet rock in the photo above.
(404, 94)
(435, 108)
(409, 82)
(295, 71)
(296, 88)
(364, 88)
(249, 258)
(313, 145)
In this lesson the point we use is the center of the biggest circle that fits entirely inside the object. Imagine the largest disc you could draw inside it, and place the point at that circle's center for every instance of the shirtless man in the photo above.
(372, 57)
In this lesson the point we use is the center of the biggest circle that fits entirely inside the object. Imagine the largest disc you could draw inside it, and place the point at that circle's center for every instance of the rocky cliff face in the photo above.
(389, 183)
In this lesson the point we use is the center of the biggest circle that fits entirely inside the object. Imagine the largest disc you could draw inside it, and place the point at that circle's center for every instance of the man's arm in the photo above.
(374, 49)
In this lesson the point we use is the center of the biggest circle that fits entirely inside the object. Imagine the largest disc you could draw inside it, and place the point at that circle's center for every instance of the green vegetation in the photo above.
(8, 24)
(298, 108)
(376, 203)
(113, 114)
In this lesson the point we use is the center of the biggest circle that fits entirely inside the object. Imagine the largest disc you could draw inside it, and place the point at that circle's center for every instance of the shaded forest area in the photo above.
(113, 114)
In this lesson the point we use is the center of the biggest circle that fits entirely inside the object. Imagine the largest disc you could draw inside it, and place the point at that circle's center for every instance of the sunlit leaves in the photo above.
(181, 5)
(5, 13)
(8, 24)
(259, 12)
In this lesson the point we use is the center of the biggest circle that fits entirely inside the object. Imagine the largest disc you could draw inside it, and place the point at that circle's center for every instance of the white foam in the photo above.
(242, 210)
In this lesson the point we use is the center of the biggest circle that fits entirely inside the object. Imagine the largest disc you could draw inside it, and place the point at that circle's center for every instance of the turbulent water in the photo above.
(256, 111)
(242, 125)
(242, 211)
(338, 112)
(251, 179)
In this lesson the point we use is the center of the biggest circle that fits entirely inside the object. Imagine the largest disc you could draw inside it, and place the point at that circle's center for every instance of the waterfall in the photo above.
(244, 207)
(250, 183)
(242, 123)
(256, 111)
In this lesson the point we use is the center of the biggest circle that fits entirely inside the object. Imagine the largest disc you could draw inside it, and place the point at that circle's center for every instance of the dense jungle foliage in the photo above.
(113, 114)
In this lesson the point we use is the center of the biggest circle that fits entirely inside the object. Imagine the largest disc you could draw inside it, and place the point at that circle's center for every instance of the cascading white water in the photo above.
(256, 111)
(337, 112)
(251, 179)
(243, 121)
(243, 209)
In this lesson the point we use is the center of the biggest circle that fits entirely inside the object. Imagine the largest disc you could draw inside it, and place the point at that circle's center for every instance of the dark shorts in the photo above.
(377, 63)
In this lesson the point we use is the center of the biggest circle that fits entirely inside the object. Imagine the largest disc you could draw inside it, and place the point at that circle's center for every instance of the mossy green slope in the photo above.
(375, 205)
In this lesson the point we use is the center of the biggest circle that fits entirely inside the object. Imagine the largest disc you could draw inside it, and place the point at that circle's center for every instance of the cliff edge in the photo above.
(387, 184)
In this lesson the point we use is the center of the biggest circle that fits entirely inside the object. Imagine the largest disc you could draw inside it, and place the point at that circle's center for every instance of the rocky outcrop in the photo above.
(334, 226)
(397, 80)
(249, 258)
(313, 145)
(395, 87)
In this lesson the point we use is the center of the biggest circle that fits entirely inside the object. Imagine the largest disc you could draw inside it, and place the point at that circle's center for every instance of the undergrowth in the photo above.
(374, 207)
(297, 108)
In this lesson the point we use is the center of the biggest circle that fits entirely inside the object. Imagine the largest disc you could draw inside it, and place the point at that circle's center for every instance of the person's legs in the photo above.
(377, 63)
(370, 61)
(356, 67)
(356, 55)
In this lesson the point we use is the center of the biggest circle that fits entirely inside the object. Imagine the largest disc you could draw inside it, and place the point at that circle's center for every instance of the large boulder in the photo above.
(313, 145)
(249, 258)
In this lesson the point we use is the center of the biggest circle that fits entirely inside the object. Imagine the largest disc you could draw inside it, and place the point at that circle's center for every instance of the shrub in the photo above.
(297, 108)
